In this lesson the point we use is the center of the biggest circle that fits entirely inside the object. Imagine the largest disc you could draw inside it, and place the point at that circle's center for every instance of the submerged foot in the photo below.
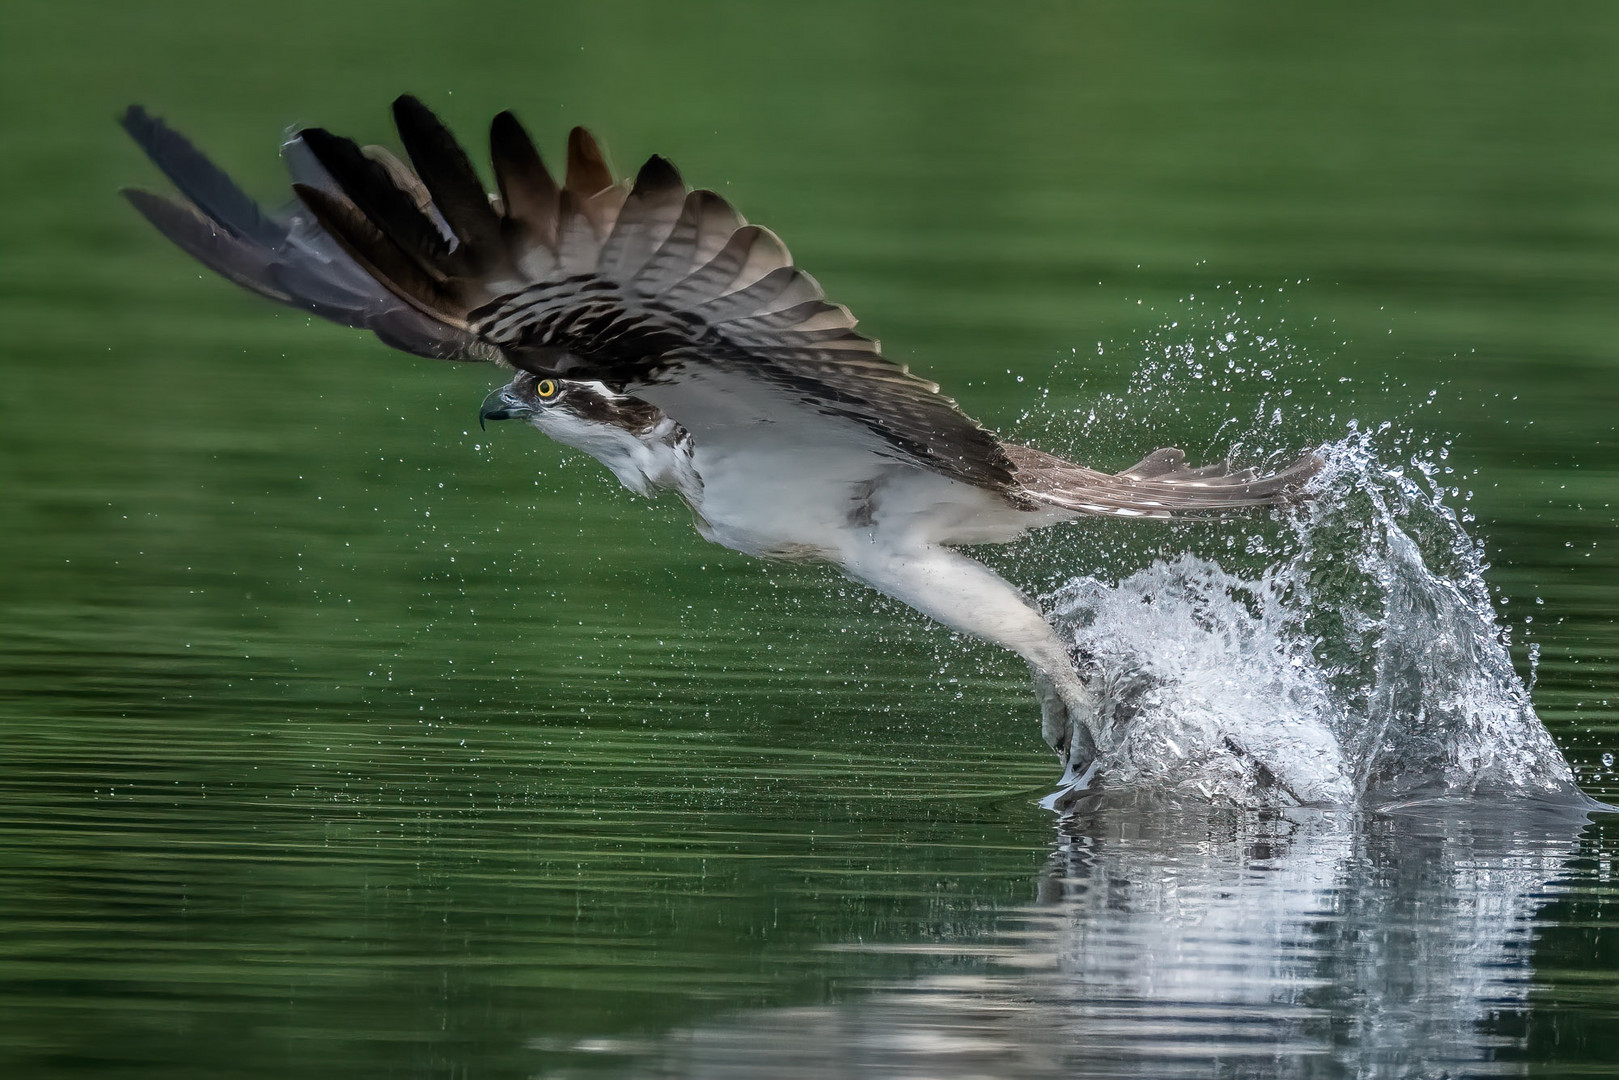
(1070, 717)
(1079, 757)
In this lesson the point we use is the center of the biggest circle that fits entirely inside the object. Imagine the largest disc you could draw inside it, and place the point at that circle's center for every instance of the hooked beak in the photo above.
(502, 405)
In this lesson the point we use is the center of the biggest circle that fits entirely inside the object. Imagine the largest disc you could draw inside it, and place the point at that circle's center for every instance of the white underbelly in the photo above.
(782, 504)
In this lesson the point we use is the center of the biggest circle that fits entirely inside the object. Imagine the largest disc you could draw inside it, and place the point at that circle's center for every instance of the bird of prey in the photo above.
(652, 327)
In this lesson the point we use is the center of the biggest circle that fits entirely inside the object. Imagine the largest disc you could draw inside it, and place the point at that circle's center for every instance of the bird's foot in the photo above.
(1076, 781)
(1075, 778)
(1068, 722)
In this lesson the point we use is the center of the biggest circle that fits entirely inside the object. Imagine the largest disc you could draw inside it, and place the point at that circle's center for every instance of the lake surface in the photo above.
(338, 737)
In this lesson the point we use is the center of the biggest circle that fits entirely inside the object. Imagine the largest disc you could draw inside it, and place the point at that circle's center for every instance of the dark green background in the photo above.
(337, 736)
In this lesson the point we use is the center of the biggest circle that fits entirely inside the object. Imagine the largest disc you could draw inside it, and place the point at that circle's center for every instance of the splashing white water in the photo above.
(1367, 668)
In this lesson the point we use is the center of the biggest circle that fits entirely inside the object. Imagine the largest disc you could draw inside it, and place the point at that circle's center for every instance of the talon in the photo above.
(1077, 781)
(1081, 748)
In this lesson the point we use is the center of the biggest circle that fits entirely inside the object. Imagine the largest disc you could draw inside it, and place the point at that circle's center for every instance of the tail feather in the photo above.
(1160, 485)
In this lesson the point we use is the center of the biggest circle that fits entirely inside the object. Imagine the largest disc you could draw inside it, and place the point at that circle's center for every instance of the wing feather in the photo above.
(588, 172)
(645, 286)
(380, 257)
(287, 257)
(201, 181)
(451, 182)
(646, 220)
(528, 194)
(369, 186)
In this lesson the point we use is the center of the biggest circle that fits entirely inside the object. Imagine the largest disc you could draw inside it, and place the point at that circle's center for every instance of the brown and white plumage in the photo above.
(685, 350)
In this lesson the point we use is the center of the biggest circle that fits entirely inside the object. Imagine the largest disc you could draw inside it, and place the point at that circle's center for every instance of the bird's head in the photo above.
(611, 427)
(560, 406)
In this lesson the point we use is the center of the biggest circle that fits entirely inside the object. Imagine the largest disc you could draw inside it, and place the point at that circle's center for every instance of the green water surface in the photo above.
(340, 738)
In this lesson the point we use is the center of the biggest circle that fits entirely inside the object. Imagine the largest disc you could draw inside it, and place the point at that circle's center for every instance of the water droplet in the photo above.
(1607, 759)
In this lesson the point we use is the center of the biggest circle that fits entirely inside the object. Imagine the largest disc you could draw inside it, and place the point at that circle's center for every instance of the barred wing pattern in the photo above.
(645, 286)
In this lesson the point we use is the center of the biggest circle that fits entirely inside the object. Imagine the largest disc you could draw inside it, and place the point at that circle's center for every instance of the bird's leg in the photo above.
(968, 596)
(1070, 736)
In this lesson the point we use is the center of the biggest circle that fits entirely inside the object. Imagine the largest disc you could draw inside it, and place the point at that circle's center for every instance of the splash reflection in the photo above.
(1175, 945)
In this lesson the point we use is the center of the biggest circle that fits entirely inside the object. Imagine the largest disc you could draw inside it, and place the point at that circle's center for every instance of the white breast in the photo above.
(660, 458)
(778, 498)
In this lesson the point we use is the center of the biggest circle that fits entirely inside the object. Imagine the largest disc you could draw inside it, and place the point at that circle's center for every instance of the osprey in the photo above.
(653, 328)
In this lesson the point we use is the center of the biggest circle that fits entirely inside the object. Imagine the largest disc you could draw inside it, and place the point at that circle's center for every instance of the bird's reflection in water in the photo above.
(1165, 944)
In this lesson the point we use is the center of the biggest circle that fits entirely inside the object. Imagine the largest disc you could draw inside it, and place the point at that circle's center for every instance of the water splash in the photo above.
(1364, 667)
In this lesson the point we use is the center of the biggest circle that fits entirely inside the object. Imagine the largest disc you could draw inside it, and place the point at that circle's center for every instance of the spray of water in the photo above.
(1367, 668)
(1355, 659)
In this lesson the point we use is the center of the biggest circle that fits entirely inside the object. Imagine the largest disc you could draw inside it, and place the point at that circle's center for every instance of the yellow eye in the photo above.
(545, 389)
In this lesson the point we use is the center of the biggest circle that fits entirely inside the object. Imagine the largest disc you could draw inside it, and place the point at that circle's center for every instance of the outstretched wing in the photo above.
(645, 286)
